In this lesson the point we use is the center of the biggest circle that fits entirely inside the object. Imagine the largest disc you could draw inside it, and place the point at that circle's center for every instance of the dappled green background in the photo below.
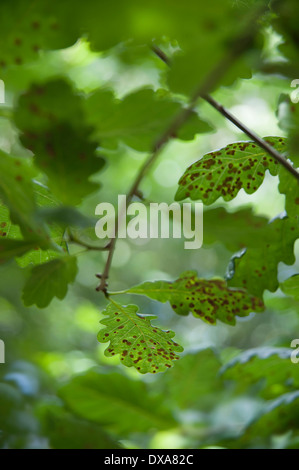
(234, 386)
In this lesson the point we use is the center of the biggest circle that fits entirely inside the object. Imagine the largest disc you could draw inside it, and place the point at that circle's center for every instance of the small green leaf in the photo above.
(272, 366)
(122, 405)
(49, 280)
(224, 172)
(256, 268)
(291, 286)
(236, 230)
(16, 191)
(141, 345)
(278, 416)
(29, 27)
(289, 186)
(51, 118)
(210, 300)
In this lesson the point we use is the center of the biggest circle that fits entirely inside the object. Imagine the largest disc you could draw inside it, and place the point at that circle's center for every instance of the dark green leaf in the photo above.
(272, 366)
(122, 405)
(289, 186)
(291, 286)
(256, 268)
(49, 280)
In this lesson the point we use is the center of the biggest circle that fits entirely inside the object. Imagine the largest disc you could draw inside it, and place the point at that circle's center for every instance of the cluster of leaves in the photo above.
(66, 137)
(98, 409)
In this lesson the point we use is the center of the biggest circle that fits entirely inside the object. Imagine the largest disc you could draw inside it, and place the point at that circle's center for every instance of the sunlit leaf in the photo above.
(138, 120)
(224, 172)
(210, 300)
(291, 286)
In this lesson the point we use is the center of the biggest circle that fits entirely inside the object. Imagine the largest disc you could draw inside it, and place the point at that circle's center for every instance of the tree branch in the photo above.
(252, 135)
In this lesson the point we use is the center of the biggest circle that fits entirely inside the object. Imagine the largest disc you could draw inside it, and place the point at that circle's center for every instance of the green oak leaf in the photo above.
(288, 116)
(289, 186)
(49, 280)
(68, 157)
(17, 193)
(270, 366)
(291, 286)
(121, 404)
(236, 230)
(256, 267)
(141, 345)
(210, 300)
(224, 172)
(138, 120)
(29, 27)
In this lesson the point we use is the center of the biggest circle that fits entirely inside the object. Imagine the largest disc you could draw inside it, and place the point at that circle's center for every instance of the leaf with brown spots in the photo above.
(210, 300)
(224, 172)
(256, 268)
(28, 27)
(141, 345)
(16, 192)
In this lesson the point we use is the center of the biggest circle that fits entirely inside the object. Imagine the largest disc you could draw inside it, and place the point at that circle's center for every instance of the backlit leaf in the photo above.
(141, 345)
(210, 300)
(49, 280)
(271, 366)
